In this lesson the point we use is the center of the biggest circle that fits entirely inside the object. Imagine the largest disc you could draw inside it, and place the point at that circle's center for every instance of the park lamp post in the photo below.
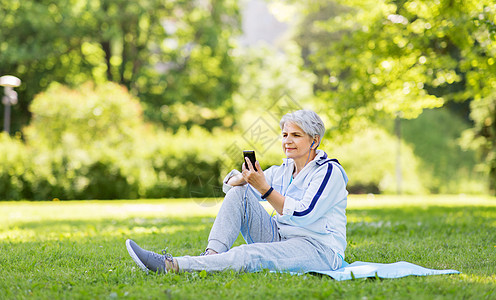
(9, 82)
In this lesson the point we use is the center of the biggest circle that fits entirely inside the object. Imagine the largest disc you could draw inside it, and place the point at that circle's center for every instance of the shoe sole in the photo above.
(135, 257)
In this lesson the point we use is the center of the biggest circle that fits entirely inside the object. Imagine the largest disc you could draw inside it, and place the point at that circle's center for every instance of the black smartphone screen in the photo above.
(251, 155)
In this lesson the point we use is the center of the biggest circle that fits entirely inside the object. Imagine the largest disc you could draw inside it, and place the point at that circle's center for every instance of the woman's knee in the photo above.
(236, 193)
(240, 197)
(234, 197)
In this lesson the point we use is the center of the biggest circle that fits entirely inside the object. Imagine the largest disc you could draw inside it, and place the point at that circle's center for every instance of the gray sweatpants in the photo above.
(266, 249)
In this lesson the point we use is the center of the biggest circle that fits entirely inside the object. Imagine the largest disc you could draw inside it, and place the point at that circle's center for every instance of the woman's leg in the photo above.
(241, 211)
(295, 254)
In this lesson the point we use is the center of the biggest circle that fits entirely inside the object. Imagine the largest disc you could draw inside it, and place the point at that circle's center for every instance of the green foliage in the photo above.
(381, 59)
(370, 160)
(83, 142)
(361, 69)
(267, 75)
(480, 68)
(196, 74)
(445, 166)
(76, 250)
(482, 136)
(14, 167)
(361, 62)
(101, 116)
(92, 143)
(166, 53)
(188, 163)
(432, 160)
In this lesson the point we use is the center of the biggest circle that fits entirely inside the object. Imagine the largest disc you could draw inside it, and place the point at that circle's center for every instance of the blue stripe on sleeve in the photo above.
(317, 196)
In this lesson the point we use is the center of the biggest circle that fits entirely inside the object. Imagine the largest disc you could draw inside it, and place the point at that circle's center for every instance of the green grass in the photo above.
(67, 250)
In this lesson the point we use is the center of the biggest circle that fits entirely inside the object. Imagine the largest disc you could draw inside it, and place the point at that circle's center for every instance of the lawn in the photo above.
(68, 250)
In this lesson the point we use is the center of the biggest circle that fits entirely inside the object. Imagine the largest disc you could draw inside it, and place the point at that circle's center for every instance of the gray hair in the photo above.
(307, 120)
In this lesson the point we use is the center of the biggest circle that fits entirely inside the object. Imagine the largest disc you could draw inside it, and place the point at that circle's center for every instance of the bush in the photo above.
(15, 162)
(105, 115)
(92, 143)
(370, 162)
(444, 166)
(82, 142)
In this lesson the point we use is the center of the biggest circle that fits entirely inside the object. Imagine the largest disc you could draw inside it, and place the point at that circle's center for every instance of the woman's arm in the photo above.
(276, 200)
(257, 180)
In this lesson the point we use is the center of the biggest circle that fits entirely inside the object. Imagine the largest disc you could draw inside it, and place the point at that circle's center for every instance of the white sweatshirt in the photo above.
(315, 200)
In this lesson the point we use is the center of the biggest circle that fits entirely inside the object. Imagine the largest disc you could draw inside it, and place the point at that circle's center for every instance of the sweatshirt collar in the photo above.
(319, 159)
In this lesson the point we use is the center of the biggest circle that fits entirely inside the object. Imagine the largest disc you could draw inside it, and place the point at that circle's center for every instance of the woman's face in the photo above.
(295, 142)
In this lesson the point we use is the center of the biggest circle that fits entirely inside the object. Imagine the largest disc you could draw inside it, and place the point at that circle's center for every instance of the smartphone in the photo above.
(251, 155)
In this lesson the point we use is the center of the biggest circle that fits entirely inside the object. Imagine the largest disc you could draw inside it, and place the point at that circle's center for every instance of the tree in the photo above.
(388, 58)
(164, 52)
(480, 68)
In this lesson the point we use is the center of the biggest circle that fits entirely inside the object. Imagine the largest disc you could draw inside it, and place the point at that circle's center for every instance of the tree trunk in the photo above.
(124, 55)
(492, 177)
(108, 54)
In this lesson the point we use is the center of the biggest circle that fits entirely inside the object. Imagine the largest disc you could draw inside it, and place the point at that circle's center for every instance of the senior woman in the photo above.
(308, 192)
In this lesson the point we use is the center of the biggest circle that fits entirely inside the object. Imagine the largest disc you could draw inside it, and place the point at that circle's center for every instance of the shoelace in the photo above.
(207, 252)
(167, 256)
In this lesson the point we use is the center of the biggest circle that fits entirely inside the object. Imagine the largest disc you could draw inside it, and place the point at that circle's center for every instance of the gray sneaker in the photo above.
(148, 260)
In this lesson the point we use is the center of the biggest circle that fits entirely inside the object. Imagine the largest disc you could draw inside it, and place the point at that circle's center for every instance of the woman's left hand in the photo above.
(255, 178)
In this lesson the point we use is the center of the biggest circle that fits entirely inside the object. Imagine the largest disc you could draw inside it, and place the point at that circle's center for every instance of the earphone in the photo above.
(309, 152)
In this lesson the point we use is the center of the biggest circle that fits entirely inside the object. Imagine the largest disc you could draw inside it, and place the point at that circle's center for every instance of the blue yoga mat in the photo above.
(360, 269)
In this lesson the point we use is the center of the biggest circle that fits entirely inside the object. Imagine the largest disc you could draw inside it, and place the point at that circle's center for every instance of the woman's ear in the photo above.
(316, 142)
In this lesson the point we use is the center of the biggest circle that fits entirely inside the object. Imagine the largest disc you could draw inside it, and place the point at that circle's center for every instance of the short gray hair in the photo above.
(307, 120)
